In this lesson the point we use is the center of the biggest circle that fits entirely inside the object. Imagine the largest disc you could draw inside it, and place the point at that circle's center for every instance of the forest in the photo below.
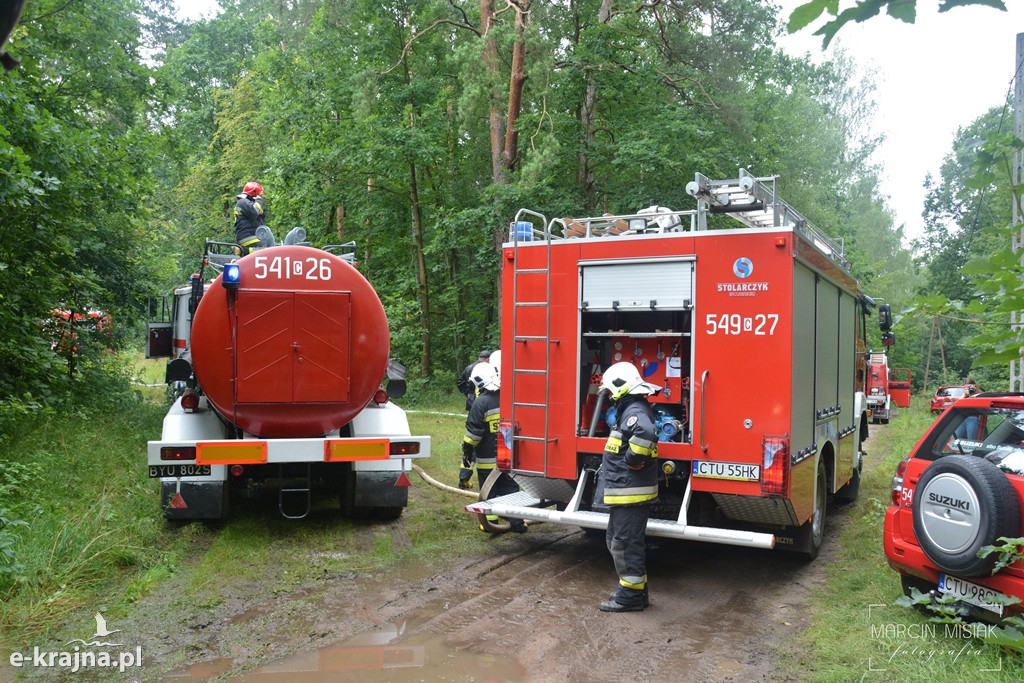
(417, 128)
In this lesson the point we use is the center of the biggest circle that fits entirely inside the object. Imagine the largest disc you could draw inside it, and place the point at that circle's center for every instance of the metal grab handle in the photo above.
(703, 379)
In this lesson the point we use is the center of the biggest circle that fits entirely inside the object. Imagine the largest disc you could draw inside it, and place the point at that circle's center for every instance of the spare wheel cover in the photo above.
(961, 504)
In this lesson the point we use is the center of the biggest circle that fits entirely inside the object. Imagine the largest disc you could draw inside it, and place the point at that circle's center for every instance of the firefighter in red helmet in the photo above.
(629, 482)
(249, 215)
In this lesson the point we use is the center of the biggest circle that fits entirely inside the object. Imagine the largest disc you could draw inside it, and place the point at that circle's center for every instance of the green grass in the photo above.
(856, 629)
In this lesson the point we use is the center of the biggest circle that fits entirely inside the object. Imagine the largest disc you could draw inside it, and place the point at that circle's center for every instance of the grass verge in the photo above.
(857, 631)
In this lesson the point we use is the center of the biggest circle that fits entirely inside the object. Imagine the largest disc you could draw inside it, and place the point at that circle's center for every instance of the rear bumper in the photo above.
(525, 505)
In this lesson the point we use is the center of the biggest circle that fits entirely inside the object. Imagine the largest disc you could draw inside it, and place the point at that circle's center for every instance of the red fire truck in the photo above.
(754, 330)
(879, 396)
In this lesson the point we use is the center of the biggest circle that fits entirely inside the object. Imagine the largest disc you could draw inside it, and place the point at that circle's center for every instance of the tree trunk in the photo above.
(510, 154)
(585, 173)
(497, 122)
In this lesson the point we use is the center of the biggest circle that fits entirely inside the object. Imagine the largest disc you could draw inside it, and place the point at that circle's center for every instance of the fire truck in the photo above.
(755, 330)
(277, 367)
(879, 396)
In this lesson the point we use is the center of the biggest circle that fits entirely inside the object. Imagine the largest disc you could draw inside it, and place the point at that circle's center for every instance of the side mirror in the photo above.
(884, 318)
(888, 339)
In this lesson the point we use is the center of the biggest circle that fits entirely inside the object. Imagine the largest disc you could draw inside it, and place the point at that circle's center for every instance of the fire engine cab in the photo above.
(753, 329)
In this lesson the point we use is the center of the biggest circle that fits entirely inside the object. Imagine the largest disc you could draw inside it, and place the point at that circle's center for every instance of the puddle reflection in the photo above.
(381, 656)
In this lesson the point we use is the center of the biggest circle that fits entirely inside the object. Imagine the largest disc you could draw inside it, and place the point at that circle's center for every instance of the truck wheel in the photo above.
(848, 492)
(961, 504)
(809, 537)
(502, 525)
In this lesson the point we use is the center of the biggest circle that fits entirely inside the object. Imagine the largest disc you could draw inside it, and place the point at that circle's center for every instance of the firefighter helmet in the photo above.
(623, 378)
(253, 189)
(495, 361)
(484, 376)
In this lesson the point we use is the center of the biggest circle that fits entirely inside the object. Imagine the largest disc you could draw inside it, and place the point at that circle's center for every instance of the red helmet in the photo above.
(253, 189)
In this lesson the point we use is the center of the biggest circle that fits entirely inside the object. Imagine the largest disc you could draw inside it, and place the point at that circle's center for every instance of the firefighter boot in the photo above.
(647, 596)
(626, 600)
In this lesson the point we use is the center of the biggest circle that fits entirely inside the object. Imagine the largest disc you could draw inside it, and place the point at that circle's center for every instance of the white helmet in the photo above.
(495, 361)
(484, 376)
(623, 378)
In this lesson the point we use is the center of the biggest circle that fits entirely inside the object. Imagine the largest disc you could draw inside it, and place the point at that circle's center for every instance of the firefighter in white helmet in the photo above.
(480, 445)
(629, 481)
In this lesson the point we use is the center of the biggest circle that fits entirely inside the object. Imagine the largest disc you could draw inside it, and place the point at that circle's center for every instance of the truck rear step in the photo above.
(523, 505)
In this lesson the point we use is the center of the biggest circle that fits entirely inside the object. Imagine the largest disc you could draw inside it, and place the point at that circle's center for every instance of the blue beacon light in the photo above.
(232, 276)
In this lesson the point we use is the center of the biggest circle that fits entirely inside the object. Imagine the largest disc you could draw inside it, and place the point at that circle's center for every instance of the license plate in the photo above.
(179, 471)
(967, 591)
(735, 471)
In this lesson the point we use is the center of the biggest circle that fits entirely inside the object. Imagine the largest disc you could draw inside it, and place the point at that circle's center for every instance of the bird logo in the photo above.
(101, 632)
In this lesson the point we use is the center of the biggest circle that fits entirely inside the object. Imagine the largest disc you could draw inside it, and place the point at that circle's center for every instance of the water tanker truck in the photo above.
(277, 367)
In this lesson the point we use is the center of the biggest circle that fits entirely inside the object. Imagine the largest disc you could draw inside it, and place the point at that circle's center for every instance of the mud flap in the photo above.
(377, 489)
(199, 500)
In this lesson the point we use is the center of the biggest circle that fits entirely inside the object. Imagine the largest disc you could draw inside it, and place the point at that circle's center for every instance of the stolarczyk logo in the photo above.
(743, 267)
(92, 653)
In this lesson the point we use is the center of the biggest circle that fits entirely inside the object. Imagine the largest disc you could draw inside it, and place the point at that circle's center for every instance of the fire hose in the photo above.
(485, 491)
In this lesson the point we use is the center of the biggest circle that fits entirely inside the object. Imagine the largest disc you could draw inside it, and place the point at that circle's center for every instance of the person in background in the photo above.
(629, 480)
(465, 384)
(248, 216)
(480, 444)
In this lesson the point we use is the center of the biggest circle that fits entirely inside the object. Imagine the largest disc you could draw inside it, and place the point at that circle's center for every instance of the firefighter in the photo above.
(480, 445)
(629, 481)
(249, 215)
(465, 384)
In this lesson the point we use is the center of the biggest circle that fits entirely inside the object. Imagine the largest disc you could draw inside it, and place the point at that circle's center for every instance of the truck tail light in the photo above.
(189, 401)
(404, 447)
(380, 397)
(504, 445)
(775, 472)
(897, 481)
(178, 453)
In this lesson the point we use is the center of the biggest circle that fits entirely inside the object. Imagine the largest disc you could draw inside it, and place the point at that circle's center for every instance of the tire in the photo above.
(386, 513)
(809, 537)
(961, 504)
(849, 491)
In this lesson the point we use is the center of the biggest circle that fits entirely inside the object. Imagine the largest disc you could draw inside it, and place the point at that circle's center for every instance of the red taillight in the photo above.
(189, 401)
(380, 397)
(178, 453)
(236, 470)
(897, 482)
(504, 445)
(780, 241)
(775, 472)
(404, 447)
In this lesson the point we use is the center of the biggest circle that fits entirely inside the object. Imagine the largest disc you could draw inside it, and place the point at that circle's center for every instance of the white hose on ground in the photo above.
(444, 487)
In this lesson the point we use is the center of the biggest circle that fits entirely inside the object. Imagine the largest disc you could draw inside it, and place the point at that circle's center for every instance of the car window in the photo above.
(996, 434)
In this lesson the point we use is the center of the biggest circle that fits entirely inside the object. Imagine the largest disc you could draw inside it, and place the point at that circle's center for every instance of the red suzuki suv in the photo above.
(961, 489)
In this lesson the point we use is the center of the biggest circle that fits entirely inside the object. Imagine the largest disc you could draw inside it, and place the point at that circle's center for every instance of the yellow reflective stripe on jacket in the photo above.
(471, 439)
(643, 447)
(614, 443)
(485, 464)
(633, 494)
(248, 242)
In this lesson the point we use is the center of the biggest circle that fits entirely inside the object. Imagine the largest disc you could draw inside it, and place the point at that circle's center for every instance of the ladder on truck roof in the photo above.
(524, 231)
(757, 203)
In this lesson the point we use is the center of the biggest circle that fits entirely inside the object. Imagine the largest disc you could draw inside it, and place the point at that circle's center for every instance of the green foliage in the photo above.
(904, 10)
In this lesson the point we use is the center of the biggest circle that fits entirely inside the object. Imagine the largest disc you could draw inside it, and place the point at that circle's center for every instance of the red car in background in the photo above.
(961, 489)
(946, 396)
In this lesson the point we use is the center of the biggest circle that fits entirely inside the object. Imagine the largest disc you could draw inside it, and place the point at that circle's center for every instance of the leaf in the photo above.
(947, 5)
(806, 13)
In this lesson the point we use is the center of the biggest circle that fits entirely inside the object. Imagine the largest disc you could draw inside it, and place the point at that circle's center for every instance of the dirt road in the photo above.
(526, 610)
(517, 608)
